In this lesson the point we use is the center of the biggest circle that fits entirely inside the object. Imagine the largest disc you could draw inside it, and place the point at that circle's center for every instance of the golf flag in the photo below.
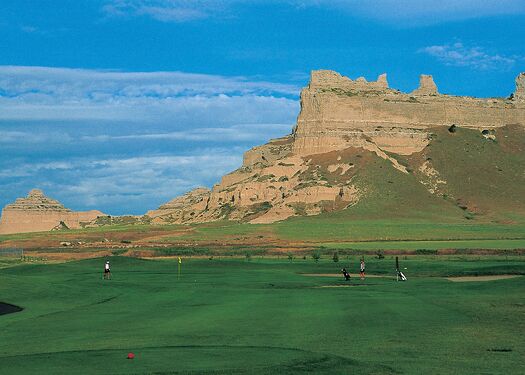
(180, 260)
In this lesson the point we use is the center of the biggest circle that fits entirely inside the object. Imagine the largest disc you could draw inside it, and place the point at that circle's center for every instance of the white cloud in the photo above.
(235, 133)
(165, 10)
(41, 93)
(126, 185)
(8, 136)
(409, 12)
(473, 57)
(99, 84)
(35, 168)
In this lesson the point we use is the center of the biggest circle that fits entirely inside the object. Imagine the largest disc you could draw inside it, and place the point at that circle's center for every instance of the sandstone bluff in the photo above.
(344, 129)
(37, 213)
(314, 169)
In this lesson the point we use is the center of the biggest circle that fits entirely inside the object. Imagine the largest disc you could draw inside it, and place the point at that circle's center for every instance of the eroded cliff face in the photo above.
(337, 112)
(342, 124)
(271, 185)
(37, 213)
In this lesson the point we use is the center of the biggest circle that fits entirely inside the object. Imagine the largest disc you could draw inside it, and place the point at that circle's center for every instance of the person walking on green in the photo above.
(107, 271)
(362, 269)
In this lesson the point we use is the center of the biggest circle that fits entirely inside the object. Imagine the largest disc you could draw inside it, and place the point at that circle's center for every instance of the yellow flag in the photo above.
(180, 260)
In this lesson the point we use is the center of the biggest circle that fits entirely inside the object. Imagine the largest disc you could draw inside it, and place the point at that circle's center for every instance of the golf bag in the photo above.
(400, 275)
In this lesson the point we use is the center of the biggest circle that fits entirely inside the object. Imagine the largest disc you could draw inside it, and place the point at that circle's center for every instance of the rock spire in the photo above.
(519, 94)
(426, 86)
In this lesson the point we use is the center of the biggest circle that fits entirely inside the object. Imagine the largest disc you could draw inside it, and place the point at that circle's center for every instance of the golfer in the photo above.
(362, 269)
(107, 270)
(345, 274)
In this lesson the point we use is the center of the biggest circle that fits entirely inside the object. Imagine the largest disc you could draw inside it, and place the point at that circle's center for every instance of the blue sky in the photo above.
(121, 105)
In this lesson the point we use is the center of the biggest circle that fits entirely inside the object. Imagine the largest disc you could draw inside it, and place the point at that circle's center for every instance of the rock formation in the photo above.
(341, 122)
(37, 213)
(183, 208)
(426, 86)
(337, 112)
(519, 94)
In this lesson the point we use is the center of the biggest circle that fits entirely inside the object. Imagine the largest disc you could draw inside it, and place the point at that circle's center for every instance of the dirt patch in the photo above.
(65, 256)
(7, 308)
(459, 279)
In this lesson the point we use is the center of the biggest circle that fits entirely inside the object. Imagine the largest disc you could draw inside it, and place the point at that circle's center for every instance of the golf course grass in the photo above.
(263, 316)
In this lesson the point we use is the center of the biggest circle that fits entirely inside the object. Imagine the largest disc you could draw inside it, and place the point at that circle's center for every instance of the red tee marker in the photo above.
(131, 355)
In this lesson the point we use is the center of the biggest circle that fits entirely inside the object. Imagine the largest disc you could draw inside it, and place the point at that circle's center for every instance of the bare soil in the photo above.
(460, 279)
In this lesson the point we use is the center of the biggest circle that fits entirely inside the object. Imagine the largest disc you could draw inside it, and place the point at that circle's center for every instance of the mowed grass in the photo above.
(334, 227)
(262, 316)
(428, 245)
(338, 226)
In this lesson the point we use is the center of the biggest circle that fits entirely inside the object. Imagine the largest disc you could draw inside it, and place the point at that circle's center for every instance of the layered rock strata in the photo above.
(312, 170)
(37, 213)
(337, 112)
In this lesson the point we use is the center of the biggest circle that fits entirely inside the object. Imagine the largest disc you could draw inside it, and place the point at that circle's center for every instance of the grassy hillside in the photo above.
(483, 197)
(483, 176)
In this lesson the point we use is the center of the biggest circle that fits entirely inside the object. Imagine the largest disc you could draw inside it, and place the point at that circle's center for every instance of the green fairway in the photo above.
(228, 316)
(427, 245)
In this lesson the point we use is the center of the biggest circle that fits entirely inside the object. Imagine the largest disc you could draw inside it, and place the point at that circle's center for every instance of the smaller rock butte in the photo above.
(37, 213)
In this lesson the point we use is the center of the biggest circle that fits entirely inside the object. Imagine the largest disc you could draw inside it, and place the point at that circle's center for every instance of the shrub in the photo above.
(335, 258)
(426, 252)
(316, 256)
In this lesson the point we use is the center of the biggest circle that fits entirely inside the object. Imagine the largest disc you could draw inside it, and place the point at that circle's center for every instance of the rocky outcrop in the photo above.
(263, 191)
(341, 123)
(182, 209)
(519, 94)
(37, 213)
(426, 86)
